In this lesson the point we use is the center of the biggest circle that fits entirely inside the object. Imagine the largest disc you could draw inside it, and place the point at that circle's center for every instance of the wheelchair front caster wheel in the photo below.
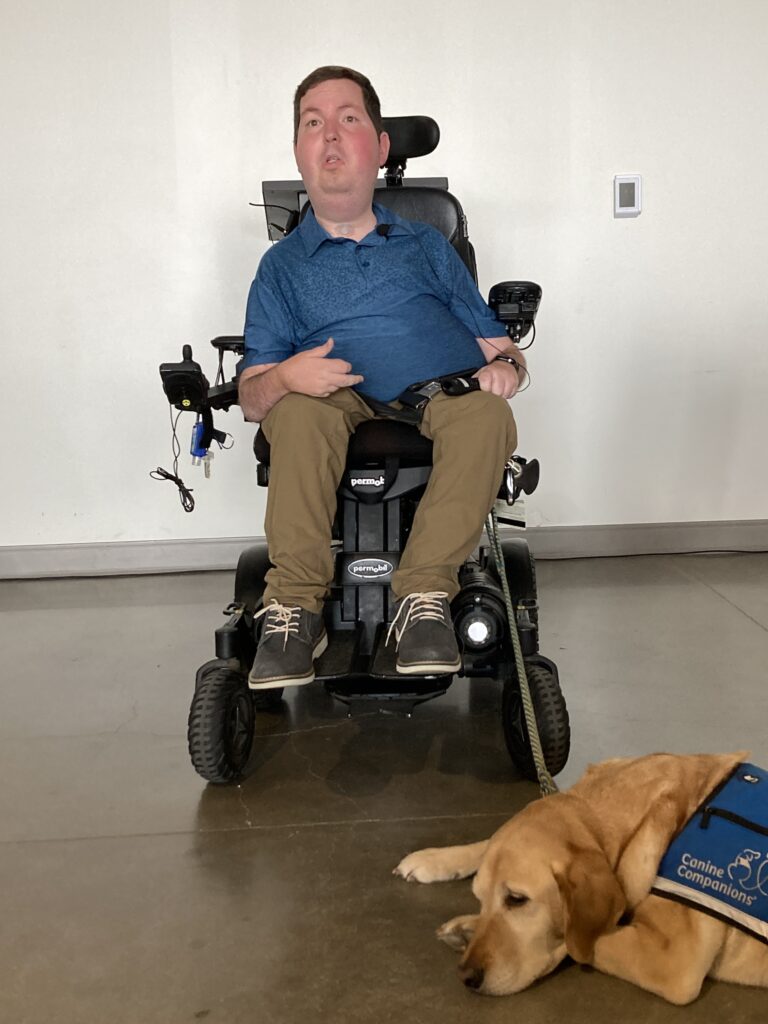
(551, 719)
(221, 724)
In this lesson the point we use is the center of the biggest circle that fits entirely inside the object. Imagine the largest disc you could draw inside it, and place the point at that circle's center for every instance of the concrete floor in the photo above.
(131, 892)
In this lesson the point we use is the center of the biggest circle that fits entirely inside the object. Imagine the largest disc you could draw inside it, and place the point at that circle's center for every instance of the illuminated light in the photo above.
(477, 631)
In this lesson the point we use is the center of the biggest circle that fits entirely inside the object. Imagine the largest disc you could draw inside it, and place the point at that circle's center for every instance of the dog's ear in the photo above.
(593, 901)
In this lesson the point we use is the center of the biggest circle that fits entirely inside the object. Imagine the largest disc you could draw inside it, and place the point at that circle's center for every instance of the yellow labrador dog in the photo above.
(572, 874)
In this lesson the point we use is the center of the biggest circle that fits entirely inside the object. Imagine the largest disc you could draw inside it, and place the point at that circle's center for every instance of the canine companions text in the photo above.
(571, 874)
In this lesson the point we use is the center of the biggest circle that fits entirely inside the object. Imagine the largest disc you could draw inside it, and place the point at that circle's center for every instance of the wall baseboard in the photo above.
(648, 538)
(129, 558)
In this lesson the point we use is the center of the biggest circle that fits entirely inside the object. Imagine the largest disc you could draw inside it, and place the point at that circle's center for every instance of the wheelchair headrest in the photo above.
(408, 137)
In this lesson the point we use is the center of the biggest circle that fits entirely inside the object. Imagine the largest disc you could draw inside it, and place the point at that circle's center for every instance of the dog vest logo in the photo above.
(749, 872)
(709, 877)
(719, 862)
(367, 481)
(370, 568)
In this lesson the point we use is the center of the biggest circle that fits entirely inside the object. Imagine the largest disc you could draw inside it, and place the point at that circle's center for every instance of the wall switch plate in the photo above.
(627, 195)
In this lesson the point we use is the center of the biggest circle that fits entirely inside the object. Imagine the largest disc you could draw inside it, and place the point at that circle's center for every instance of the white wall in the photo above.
(135, 136)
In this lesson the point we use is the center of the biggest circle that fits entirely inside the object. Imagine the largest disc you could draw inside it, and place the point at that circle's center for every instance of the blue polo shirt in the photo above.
(400, 307)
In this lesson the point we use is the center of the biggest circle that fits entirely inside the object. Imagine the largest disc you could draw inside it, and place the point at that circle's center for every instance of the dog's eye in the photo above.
(514, 899)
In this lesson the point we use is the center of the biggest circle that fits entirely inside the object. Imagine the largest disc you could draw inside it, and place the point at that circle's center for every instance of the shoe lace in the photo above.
(280, 619)
(428, 605)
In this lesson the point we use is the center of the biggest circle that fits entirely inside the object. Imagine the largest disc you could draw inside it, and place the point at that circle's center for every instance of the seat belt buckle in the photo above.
(417, 395)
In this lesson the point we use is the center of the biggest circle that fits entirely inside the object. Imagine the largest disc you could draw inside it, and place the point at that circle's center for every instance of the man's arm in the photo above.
(258, 389)
(467, 305)
(501, 378)
(307, 373)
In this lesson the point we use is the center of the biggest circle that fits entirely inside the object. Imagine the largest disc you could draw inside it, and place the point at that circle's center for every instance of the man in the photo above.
(339, 308)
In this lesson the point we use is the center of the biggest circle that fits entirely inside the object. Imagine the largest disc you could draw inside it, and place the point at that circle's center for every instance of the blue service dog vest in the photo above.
(719, 862)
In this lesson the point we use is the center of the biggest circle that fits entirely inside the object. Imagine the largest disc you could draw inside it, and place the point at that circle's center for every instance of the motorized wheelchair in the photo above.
(388, 466)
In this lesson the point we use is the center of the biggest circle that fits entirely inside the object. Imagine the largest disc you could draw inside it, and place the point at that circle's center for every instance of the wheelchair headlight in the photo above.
(478, 630)
(479, 622)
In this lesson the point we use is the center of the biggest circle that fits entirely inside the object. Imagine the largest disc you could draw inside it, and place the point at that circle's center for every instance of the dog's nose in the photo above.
(472, 976)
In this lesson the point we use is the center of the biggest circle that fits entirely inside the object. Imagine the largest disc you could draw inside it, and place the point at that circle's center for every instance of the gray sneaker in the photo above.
(291, 639)
(426, 641)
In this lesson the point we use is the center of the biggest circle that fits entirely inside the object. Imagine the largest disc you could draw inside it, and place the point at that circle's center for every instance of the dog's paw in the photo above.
(457, 933)
(430, 865)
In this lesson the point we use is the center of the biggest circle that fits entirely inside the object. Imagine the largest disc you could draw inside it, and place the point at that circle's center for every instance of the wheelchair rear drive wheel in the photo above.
(221, 725)
(551, 719)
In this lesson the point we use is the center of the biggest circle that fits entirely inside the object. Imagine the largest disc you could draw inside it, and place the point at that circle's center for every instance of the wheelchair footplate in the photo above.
(354, 677)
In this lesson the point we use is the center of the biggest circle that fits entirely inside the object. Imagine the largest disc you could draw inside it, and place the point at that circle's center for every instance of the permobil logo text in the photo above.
(367, 481)
(370, 568)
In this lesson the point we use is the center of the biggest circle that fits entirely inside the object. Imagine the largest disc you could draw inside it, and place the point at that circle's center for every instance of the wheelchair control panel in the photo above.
(516, 304)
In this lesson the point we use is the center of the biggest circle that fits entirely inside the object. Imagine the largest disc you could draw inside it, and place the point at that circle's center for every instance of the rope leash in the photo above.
(547, 784)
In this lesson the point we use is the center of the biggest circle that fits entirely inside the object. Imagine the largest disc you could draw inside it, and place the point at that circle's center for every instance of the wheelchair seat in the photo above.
(372, 441)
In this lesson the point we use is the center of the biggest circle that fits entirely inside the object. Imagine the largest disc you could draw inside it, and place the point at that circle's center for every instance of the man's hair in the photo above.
(371, 100)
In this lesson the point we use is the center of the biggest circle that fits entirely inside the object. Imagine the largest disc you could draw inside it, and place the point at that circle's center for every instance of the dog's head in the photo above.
(546, 890)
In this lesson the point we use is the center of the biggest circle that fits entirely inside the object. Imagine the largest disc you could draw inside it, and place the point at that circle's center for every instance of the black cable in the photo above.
(275, 206)
(185, 493)
(271, 224)
(527, 383)
(524, 348)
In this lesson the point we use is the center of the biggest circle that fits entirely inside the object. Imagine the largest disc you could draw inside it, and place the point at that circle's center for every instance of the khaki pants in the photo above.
(472, 435)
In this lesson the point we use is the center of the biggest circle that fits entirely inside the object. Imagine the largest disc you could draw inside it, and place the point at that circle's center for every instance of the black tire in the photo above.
(551, 719)
(221, 723)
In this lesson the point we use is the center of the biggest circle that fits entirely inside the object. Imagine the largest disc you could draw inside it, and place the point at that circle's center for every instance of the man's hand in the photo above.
(308, 373)
(499, 379)
(313, 373)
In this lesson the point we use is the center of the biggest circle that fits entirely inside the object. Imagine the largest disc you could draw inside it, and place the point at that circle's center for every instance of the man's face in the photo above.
(337, 151)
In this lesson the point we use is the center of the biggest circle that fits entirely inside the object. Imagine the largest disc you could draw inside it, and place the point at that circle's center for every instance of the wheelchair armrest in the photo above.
(229, 343)
(222, 396)
(515, 304)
